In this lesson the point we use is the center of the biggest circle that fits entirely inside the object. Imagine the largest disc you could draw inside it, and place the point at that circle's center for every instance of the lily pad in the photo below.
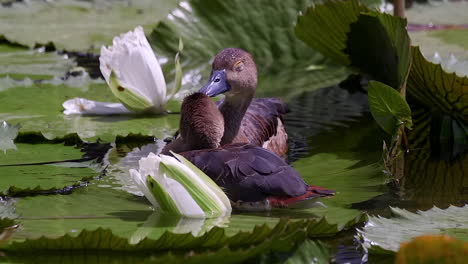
(389, 233)
(33, 64)
(310, 251)
(77, 25)
(264, 28)
(41, 110)
(336, 29)
(19, 179)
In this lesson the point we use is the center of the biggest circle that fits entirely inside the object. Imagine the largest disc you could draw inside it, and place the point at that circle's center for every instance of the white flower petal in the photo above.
(136, 66)
(88, 107)
(186, 204)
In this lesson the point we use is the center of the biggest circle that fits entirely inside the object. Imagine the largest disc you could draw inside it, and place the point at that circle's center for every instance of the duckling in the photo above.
(253, 177)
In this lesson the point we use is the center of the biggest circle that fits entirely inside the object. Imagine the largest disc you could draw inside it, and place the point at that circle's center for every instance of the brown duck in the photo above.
(253, 177)
(246, 120)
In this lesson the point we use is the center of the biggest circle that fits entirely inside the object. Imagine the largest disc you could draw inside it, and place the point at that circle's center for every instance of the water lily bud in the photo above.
(133, 73)
(175, 187)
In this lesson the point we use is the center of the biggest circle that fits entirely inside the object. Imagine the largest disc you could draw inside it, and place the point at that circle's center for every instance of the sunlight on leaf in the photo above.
(388, 233)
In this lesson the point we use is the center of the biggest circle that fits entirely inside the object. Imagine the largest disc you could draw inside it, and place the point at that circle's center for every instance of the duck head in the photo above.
(201, 123)
(234, 73)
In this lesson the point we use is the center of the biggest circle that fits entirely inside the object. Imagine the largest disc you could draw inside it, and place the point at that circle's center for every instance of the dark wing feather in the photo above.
(260, 122)
(247, 172)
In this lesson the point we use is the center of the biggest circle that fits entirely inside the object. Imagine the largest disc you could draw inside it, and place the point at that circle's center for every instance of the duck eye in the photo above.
(239, 66)
(217, 79)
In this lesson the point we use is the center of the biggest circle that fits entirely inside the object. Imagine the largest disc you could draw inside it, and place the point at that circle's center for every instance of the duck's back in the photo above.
(248, 173)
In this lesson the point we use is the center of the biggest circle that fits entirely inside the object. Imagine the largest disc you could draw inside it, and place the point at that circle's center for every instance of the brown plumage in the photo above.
(252, 177)
(247, 120)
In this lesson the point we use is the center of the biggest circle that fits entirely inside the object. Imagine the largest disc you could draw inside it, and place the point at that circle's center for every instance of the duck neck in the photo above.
(233, 109)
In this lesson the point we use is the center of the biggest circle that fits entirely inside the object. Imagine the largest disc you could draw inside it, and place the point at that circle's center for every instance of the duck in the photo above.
(253, 178)
(258, 121)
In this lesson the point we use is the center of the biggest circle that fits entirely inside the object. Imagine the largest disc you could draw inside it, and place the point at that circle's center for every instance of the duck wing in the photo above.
(262, 125)
(248, 173)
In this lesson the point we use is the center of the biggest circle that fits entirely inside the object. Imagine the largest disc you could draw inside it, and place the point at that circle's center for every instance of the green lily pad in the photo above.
(388, 107)
(310, 251)
(388, 233)
(264, 28)
(32, 64)
(39, 108)
(337, 28)
(18, 179)
(78, 25)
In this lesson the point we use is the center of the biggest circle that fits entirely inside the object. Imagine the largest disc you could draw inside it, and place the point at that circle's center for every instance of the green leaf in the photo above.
(41, 111)
(388, 107)
(337, 29)
(325, 27)
(263, 28)
(78, 25)
(440, 106)
(21, 64)
(431, 86)
(216, 238)
(20, 180)
(310, 252)
(385, 53)
(389, 233)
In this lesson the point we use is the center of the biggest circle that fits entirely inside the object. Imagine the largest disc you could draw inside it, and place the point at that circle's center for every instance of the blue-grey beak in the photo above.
(217, 84)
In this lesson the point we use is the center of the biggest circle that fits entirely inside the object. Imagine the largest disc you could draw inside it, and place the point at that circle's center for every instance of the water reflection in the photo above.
(157, 224)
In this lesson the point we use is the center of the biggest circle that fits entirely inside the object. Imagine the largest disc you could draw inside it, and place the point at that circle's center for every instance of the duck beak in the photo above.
(217, 84)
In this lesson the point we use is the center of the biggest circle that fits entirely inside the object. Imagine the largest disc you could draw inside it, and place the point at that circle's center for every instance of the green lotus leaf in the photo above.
(38, 108)
(77, 25)
(388, 107)
(389, 233)
(310, 251)
(264, 28)
(216, 238)
(337, 28)
(20, 64)
(438, 141)
(20, 179)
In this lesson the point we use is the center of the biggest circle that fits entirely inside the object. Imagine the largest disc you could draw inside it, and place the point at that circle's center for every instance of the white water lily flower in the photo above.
(178, 187)
(88, 107)
(134, 76)
(133, 72)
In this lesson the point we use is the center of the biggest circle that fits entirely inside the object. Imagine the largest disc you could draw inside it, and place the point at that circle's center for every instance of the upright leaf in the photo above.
(388, 107)
(351, 34)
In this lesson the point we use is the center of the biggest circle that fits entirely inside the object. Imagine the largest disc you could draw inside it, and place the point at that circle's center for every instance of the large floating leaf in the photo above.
(38, 108)
(32, 64)
(264, 28)
(20, 179)
(77, 25)
(310, 252)
(388, 233)
(104, 239)
(388, 107)
(337, 28)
